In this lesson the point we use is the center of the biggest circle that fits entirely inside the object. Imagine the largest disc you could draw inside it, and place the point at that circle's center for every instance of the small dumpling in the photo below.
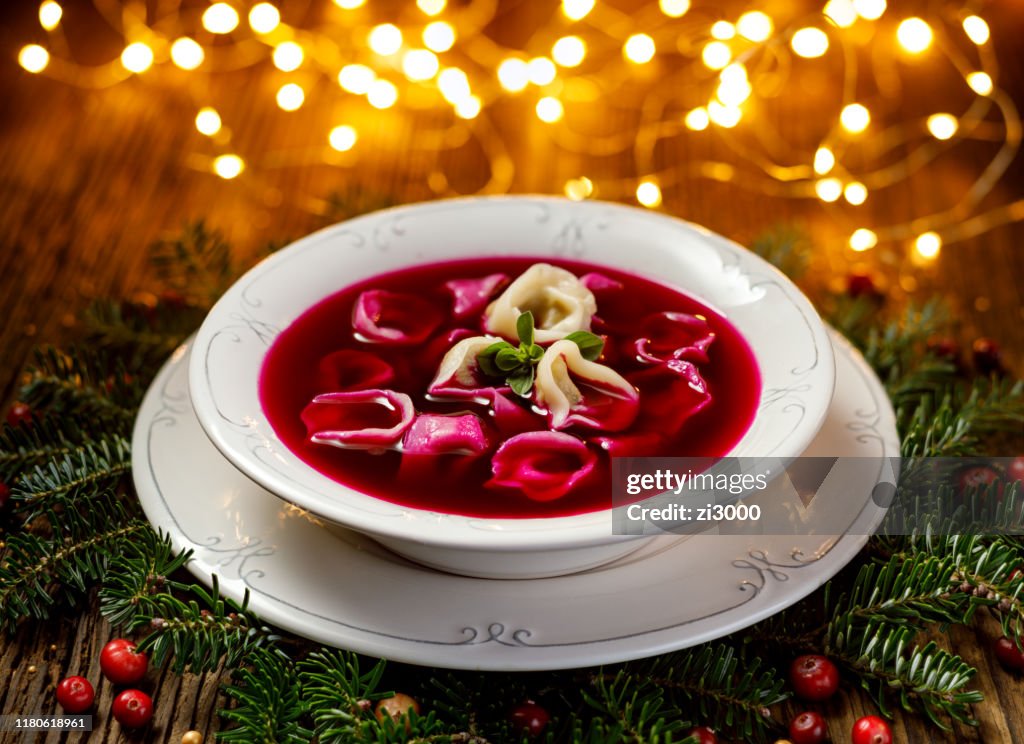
(576, 391)
(560, 303)
(459, 374)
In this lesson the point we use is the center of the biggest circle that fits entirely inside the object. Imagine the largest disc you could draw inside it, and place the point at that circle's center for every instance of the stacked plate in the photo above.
(354, 571)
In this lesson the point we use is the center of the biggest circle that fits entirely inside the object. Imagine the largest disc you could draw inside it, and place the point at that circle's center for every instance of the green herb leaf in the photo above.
(521, 381)
(508, 359)
(535, 353)
(590, 345)
(524, 327)
(485, 359)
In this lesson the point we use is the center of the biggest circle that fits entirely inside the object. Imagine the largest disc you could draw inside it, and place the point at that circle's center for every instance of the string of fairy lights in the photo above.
(592, 57)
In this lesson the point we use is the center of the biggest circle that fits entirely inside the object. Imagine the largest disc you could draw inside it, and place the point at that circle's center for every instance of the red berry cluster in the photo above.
(816, 679)
(122, 665)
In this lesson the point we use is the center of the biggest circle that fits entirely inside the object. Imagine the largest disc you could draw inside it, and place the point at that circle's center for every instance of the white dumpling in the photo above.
(610, 402)
(458, 370)
(559, 301)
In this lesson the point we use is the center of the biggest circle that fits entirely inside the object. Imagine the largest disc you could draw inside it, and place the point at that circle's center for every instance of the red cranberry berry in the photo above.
(944, 348)
(862, 285)
(814, 678)
(1015, 470)
(133, 708)
(808, 728)
(20, 413)
(530, 718)
(75, 694)
(704, 735)
(979, 479)
(1008, 654)
(871, 730)
(988, 359)
(121, 664)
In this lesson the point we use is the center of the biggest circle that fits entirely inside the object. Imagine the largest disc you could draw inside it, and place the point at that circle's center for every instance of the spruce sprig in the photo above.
(268, 702)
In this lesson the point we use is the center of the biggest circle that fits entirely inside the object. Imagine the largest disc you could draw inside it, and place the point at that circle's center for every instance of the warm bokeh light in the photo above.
(870, 10)
(855, 118)
(716, 55)
(356, 78)
(840, 12)
(220, 18)
(863, 239)
(468, 107)
(723, 30)
(453, 84)
(228, 166)
(550, 109)
(420, 64)
(290, 97)
(809, 42)
(385, 39)
(33, 58)
(264, 18)
(674, 8)
(724, 116)
(976, 29)
(980, 82)
(928, 245)
(697, 119)
(137, 57)
(514, 74)
(755, 25)
(439, 36)
(382, 94)
(50, 14)
(349, 4)
(914, 35)
(186, 53)
(569, 51)
(208, 121)
(431, 7)
(288, 56)
(855, 193)
(579, 189)
(541, 70)
(343, 138)
(648, 193)
(639, 49)
(734, 87)
(942, 126)
(574, 10)
(828, 189)
(824, 161)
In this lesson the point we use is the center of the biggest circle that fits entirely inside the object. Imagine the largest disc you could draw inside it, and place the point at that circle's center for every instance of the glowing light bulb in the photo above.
(828, 189)
(513, 74)
(50, 14)
(697, 119)
(855, 193)
(264, 18)
(33, 58)
(648, 193)
(734, 87)
(928, 245)
(137, 57)
(863, 239)
(639, 49)
(290, 97)
(431, 7)
(716, 55)
(914, 35)
(824, 161)
(724, 116)
(228, 166)
(980, 82)
(420, 64)
(840, 12)
(385, 39)
(574, 10)
(550, 109)
(942, 126)
(343, 138)
(809, 42)
(541, 70)
(569, 51)
(723, 30)
(855, 118)
(220, 18)
(356, 78)
(288, 56)
(974, 26)
(186, 53)
(579, 189)
(349, 4)
(208, 121)
(453, 84)
(382, 94)
(674, 8)
(870, 10)
(468, 107)
(439, 36)
(755, 25)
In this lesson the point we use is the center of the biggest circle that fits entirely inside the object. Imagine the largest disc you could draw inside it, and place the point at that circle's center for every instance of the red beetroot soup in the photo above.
(640, 321)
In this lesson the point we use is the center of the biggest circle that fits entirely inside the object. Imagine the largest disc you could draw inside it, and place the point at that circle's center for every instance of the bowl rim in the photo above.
(454, 530)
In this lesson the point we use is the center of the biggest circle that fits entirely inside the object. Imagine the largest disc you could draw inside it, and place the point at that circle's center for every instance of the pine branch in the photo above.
(268, 702)
(141, 334)
(785, 248)
(632, 708)
(339, 696)
(24, 447)
(198, 264)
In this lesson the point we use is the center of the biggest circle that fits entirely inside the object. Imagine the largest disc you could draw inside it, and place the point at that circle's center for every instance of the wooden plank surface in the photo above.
(89, 178)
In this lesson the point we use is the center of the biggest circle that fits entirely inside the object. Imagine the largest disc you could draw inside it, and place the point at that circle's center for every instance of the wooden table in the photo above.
(89, 178)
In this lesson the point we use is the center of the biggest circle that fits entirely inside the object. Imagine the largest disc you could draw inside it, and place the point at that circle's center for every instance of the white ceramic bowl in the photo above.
(786, 335)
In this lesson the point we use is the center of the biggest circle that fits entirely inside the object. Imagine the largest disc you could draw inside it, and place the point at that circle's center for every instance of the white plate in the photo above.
(786, 335)
(339, 588)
